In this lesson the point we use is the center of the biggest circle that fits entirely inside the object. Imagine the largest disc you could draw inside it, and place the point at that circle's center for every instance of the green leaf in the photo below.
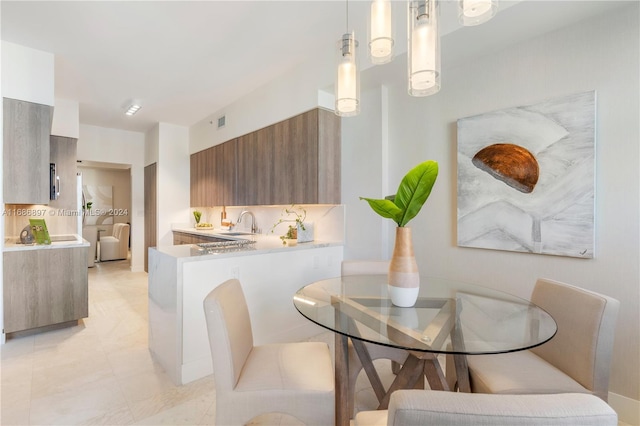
(385, 208)
(414, 190)
(412, 193)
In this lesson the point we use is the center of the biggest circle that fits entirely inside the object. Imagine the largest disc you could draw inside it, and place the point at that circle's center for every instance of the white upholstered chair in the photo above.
(398, 356)
(291, 378)
(426, 407)
(576, 359)
(116, 245)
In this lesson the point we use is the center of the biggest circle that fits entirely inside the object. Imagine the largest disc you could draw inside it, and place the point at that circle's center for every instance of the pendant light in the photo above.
(380, 32)
(476, 12)
(347, 87)
(423, 51)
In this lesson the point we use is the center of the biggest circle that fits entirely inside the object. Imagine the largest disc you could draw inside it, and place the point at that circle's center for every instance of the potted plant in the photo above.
(414, 189)
(294, 233)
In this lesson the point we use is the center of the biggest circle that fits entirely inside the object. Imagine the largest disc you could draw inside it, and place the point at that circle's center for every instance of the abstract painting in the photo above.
(526, 178)
(101, 199)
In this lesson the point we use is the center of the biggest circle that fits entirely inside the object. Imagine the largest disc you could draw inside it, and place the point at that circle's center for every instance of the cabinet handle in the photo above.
(58, 187)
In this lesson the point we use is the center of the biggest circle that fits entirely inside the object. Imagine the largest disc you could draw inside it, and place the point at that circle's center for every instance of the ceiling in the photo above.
(185, 60)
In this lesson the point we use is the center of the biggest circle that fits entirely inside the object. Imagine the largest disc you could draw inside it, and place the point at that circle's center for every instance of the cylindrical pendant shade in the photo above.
(347, 87)
(424, 48)
(381, 32)
(476, 12)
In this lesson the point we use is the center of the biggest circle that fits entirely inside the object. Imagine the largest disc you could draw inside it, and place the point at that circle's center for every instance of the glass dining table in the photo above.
(449, 317)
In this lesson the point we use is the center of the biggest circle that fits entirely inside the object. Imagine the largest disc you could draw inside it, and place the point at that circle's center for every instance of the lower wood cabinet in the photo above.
(44, 287)
(180, 238)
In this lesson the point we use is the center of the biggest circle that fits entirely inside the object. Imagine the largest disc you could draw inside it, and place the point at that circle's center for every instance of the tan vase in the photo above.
(404, 278)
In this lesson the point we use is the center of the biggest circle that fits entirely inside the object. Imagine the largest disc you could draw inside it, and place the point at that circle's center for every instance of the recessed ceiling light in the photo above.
(132, 109)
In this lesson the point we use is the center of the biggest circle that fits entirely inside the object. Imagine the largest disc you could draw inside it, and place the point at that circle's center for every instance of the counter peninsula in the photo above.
(180, 276)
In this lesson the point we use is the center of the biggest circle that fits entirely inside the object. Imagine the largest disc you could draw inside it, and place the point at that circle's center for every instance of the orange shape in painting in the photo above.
(512, 164)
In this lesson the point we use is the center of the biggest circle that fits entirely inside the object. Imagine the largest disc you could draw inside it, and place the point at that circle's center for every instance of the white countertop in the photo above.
(64, 241)
(263, 244)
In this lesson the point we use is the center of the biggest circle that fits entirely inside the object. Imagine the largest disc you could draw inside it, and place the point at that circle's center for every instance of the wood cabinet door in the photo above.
(27, 127)
(296, 160)
(63, 154)
(44, 287)
(198, 183)
(229, 180)
(222, 178)
(329, 157)
(255, 168)
(150, 211)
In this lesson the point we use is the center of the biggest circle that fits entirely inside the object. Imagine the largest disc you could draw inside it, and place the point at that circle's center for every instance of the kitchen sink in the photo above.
(233, 234)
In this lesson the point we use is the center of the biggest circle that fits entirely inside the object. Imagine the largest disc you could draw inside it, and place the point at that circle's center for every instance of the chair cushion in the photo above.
(371, 418)
(520, 372)
(462, 409)
(293, 378)
(292, 367)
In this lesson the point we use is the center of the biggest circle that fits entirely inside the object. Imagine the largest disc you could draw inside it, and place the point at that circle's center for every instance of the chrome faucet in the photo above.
(254, 229)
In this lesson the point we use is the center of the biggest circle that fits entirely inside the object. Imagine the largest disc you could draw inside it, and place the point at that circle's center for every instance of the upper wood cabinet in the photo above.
(213, 176)
(293, 161)
(27, 127)
(255, 168)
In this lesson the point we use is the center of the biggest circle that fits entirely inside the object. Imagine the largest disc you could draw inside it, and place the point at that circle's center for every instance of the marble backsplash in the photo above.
(59, 221)
(328, 219)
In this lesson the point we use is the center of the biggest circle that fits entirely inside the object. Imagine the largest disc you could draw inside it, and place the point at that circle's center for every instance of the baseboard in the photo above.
(628, 409)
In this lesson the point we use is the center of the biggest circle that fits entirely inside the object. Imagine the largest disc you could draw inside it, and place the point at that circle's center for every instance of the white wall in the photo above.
(364, 171)
(173, 179)
(600, 54)
(121, 147)
(27, 74)
(289, 95)
(66, 118)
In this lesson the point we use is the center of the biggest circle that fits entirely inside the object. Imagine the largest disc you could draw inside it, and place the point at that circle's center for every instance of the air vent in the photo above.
(221, 121)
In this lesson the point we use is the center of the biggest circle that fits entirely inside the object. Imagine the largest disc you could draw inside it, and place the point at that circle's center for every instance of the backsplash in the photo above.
(328, 219)
(59, 221)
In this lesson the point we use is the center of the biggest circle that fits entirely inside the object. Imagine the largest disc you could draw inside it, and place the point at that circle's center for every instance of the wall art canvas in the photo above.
(526, 178)
(101, 199)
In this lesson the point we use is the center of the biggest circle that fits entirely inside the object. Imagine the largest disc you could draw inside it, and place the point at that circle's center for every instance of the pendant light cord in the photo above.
(347, 1)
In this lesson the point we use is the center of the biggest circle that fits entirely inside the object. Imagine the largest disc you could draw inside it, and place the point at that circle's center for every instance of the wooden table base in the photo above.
(417, 367)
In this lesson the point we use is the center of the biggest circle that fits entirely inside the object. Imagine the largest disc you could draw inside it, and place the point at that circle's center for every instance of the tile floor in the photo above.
(100, 372)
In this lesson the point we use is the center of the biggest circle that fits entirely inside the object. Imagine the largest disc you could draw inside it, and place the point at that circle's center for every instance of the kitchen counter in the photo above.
(180, 277)
(263, 244)
(57, 242)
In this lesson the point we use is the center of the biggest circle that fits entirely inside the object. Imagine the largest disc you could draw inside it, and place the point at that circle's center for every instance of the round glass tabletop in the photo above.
(448, 317)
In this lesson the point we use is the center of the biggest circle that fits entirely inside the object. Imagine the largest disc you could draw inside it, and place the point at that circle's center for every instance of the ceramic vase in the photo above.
(404, 279)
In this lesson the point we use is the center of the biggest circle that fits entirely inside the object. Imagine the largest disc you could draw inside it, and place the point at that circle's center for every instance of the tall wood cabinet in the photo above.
(27, 127)
(150, 211)
(293, 161)
(64, 155)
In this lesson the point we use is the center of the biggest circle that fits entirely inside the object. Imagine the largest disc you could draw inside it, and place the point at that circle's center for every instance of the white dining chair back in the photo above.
(576, 359)
(426, 407)
(291, 378)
